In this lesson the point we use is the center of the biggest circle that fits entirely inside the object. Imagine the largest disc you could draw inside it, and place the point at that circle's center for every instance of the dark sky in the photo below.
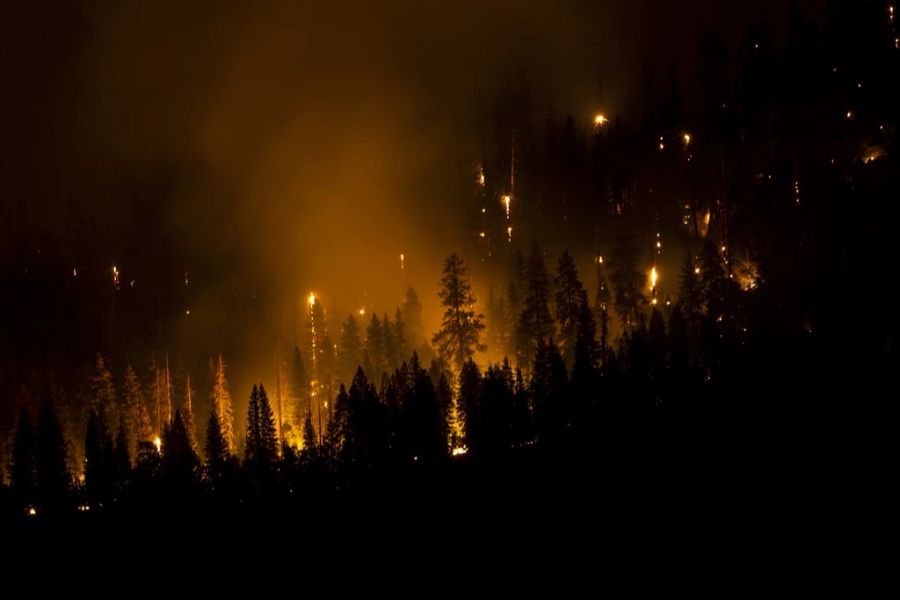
(305, 142)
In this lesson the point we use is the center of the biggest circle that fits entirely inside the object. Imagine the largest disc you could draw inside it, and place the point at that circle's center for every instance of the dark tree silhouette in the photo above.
(569, 292)
(550, 394)
(411, 311)
(23, 467)
(53, 478)
(535, 323)
(349, 356)
(460, 335)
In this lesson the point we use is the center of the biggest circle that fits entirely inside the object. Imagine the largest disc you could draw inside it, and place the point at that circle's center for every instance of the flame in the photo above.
(158, 443)
(654, 277)
(600, 120)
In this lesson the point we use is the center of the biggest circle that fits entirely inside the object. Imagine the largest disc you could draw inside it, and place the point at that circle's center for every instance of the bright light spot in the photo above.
(158, 443)
(481, 176)
(84, 507)
(696, 270)
(483, 210)
(658, 244)
(481, 235)
(115, 274)
(654, 277)
(687, 139)
(507, 200)
(599, 260)
(362, 311)
(509, 234)
(662, 146)
(653, 302)
(402, 262)
(186, 280)
(459, 451)
(849, 114)
(74, 272)
(311, 299)
(600, 120)
(187, 311)
(32, 511)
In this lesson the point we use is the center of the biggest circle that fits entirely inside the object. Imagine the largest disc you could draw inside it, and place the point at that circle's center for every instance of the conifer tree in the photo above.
(187, 411)
(535, 324)
(569, 292)
(349, 350)
(221, 401)
(23, 467)
(411, 312)
(53, 478)
(133, 406)
(459, 337)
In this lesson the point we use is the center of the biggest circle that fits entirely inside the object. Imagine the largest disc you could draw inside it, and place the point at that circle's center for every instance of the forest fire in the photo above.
(317, 298)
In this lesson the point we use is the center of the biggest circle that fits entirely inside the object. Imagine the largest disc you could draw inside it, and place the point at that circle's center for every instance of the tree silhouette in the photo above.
(535, 322)
(349, 350)
(178, 465)
(550, 394)
(467, 407)
(459, 337)
(53, 477)
(23, 467)
(411, 311)
(138, 419)
(569, 292)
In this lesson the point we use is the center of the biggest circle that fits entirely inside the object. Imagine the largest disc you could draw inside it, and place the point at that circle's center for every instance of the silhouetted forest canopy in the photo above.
(699, 290)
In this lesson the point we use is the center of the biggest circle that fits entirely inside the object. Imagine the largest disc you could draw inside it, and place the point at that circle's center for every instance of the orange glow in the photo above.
(654, 277)
(158, 443)
(311, 299)
(600, 120)
(507, 200)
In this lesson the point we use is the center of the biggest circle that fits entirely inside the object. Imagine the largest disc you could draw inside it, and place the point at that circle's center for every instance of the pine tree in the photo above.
(98, 458)
(178, 465)
(349, 350)
(53, 478)
(121, 466)
(187, 411)
(515, 299)
(374, 347)
(602, 301)
(268, 448)
(467, 406)
(134, 409)
(459, 337)
(401, 349)
(23, 467)
(569, 292)
(411, 312)
(299, 388)
(629, 284)
(215, 448)
(103, 392)
(550, 394)
(221, 401)
(253, 439)
(535, 324)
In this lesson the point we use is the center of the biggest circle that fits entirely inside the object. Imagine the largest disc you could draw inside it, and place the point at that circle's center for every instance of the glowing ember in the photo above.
(600, 120)
(459, 451)
(654, 277)
(507, 200)
(158, 443)
(311, 299)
